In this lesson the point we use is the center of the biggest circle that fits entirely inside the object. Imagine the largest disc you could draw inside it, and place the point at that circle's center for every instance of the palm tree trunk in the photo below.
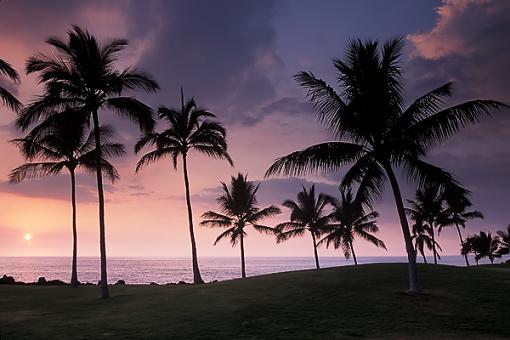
(411, 258)
(74, 271)
(424, 257)
(197, 278)
(462, 244)
(431, 224)
(315, 251)
(353, 254)
(243, 266)
(100, 192)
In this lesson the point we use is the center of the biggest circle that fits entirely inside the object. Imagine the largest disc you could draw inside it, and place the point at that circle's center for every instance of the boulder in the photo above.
(7, 280)
(153, 284)
(41, 281)
(182, 283)
(56, 283)
(120, 282)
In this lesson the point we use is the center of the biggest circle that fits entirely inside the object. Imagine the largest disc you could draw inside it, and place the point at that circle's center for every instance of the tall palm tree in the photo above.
(373, 131)
(427, 208)
(351, 221)
(189, 128)
(81, 75)
(422, 238)
(482, 245)
(239, 209)
(456, 215)
(308, 213)
(8, 98)
(504, 241)
(61, 143)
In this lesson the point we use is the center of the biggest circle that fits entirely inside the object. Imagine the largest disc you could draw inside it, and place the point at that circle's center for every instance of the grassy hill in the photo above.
(335, 303)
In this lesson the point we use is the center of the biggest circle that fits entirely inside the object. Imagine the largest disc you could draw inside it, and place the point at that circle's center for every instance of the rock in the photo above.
(56, 283)
(7, 280)
(153, 284)
(182, 283)
(41, 281)
(120, 282)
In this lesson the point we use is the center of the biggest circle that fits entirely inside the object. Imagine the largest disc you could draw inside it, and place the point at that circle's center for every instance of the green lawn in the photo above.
(336, 303)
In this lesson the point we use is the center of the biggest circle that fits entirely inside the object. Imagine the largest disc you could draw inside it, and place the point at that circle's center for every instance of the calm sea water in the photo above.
(143, 270)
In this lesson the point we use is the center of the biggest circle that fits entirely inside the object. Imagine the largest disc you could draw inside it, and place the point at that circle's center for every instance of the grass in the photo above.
(334, 303)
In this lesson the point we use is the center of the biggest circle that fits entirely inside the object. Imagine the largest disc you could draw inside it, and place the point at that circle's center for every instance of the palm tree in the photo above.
(427, 208)
(456, 215)
(8, 98)
(504, 241)
(352, 221)
(239, 209)
(482, 245)
(307, 214)
(371, 129)
(81, 75)
(61, 143)
(421, 237)
(189, 128)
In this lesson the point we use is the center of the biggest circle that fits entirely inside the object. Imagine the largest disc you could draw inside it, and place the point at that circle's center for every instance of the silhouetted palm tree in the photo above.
(61, 142)
(189, 128)
(482, 245)
(8, 98)
(427, 208)
(372, 129)
(421, 237)
(456, 215)
(239, 209)
(504, 241)
(352, 221)
(81, 75)
(307, 214)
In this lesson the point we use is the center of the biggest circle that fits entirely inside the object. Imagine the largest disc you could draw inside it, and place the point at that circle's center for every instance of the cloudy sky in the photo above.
(237, 59)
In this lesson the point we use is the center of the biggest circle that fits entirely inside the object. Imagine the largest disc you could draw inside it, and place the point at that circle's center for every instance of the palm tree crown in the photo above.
(239, 209)
(482, 245)
(189, 128)
(351, 221)
(81, 77)
(372, 130)
(308, 213)
(504, 241)
(8, 98)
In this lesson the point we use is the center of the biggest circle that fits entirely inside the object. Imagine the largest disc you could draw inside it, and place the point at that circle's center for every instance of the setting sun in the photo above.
(28, 237)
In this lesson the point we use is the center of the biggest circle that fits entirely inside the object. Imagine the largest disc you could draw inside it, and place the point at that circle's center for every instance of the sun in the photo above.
(27, 237)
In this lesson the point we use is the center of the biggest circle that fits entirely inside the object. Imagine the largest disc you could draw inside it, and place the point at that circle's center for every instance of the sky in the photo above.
(237, 59)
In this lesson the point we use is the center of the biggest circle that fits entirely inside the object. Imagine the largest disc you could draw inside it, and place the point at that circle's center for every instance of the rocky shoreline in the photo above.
(9, 280)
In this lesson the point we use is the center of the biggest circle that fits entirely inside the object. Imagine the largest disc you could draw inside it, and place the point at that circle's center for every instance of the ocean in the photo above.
(161, 270)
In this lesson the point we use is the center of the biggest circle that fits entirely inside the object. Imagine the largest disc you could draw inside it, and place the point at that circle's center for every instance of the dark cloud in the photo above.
(221, 52)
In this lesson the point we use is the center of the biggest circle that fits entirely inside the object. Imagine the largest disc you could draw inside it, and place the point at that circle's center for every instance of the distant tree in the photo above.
(189, 128)
(61, 143)
(81, 75)
(482, 245)
(350, 221)
(307, 214)
(427, 208)
(239, 209)
(456, 215)
(8, 98)
(372, 130)
(422, 238)
(504, 241)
